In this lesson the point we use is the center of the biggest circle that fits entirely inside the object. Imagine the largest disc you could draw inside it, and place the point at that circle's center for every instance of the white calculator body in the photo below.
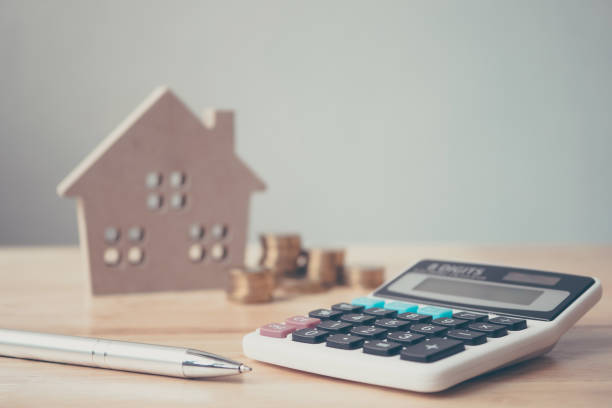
(434, 326)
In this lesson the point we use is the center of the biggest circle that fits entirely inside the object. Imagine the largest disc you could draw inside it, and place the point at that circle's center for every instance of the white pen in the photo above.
(116, 355)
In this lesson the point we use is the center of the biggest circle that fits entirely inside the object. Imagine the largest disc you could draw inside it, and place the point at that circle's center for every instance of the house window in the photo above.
(153, 179)
(177, 179)
(154, 201)
(218, 252)
(218, 231)
(196, 253)
(112, 256)
(135, 255)
(136, 234)
(111, 234)
(196, 232)
(177, 201)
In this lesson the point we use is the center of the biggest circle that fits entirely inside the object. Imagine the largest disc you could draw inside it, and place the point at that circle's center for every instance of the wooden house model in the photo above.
(163, 201)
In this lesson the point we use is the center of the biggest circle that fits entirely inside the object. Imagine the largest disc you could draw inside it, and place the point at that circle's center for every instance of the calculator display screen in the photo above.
(486, 288)
(518, 296)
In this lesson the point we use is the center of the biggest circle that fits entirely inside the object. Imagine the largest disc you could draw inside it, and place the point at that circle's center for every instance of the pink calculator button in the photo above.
(303, 322)
(279, 330)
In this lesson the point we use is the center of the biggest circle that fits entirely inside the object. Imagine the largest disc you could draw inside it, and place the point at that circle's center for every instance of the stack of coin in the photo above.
(280, 253)
(250, 285)
(324, 265)
(298, 286)
(360, 276)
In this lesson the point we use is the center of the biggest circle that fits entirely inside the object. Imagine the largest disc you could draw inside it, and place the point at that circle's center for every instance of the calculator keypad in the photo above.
(417, 333)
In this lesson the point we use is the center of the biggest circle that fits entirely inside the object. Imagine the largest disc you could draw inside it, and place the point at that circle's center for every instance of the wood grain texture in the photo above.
(44, 289)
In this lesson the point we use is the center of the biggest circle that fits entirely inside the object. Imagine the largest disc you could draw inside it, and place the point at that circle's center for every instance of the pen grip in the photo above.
(47, 347)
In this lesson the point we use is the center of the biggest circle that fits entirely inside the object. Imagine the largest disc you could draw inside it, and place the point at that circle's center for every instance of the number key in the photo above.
(428, 329)
(450, 322)
(414, 317)
(335, 326)
(405, 338)
(369, 331)
(312, 336)
(392, 324)
(357, 318)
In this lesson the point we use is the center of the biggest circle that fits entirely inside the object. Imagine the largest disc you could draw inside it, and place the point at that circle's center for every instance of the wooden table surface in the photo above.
(43, 289)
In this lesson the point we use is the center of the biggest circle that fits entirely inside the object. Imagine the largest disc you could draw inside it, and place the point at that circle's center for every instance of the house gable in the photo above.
(161, 127)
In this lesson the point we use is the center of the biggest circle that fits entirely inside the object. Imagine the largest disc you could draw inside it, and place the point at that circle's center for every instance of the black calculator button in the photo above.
(428, 329)
(432, 350)
(510, 323)
(358, 318)
(471, 317)
(491, 330)
(469, 337)
(415, 317)
(325, 314)
(311, 336)
(395, 324)
(335, 326)
(345, 341)
(450, 322)
(347, 308)
(381, 347)
(380, 312)
(405, 338)
(370, 332)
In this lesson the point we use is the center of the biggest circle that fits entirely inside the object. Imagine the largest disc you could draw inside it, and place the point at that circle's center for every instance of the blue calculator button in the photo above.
(401, 307)
(435, 312)
(368, 302)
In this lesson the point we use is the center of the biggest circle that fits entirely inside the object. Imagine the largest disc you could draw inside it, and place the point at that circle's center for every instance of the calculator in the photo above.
(437, 324)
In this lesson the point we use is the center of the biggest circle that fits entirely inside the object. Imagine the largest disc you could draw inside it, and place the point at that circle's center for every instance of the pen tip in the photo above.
(244, 369)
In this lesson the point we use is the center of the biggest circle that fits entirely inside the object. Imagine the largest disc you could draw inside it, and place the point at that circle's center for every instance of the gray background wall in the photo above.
(386, 121)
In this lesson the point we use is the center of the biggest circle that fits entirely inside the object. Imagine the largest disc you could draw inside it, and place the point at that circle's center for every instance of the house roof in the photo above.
(69, 186)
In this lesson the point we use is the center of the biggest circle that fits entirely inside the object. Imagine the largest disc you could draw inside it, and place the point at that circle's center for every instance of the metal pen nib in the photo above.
(202, 364)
